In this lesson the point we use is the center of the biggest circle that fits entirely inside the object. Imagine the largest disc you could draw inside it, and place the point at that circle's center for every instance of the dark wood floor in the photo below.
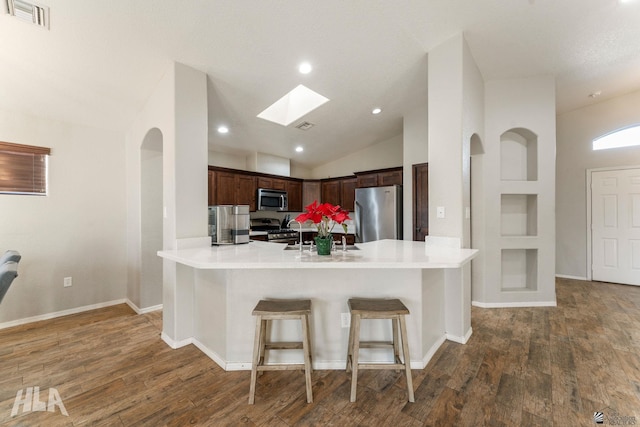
(521, 367)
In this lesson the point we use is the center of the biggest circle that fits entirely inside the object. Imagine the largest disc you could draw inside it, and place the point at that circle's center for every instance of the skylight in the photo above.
(293, 105)
(626, 137)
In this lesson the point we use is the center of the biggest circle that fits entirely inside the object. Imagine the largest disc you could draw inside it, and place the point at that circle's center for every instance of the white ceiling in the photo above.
(101, 60)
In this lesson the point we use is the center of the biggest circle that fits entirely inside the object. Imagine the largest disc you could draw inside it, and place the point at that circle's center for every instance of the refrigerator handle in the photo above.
(358, 210)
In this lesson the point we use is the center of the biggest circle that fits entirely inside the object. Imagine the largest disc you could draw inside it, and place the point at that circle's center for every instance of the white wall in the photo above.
(77, 230)
(445, 137)
(178, 108)
(527, 103)
(227, 160)
(415, 150)
(575, 132)
(385, 154)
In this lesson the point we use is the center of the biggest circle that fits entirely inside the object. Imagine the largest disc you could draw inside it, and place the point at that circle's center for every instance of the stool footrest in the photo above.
(287, 367)
(283, 346)
(381, 365)
(375, 344)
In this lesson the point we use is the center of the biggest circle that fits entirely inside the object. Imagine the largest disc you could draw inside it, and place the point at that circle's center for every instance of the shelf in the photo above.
(519, 270)
(518, 155)
(519, 215)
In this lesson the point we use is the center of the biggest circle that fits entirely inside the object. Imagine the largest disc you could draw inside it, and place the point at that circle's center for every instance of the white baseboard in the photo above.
(139, 310)
(566, 276)
(459, 339)
(61, 313)
(216, 357)
(324, 365)
(427, 357)
(514, 304)
(175, 344)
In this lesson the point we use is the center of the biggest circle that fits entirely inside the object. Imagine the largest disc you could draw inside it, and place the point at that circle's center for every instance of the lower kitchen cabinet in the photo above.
(308, 236)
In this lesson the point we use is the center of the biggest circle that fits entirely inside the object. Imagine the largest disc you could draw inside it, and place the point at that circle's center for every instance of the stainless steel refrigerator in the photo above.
(378, 213)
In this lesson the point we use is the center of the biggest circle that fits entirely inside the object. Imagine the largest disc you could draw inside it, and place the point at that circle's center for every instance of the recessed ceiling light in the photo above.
(376, 111)
(305, 68)
(223, 129)
(295, 104)
(299, 149)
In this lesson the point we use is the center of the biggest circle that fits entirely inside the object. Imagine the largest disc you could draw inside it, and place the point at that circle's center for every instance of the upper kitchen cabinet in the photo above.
(379, 178)
(367, 180)
(237, 187)
(339, 191)
(294, 192)
(272, 183)
(232, 188)
(392, 177)
(331, 191)
(348, 193)
(311, 192)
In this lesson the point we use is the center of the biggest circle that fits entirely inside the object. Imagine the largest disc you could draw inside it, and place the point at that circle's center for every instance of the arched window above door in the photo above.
(625, 137)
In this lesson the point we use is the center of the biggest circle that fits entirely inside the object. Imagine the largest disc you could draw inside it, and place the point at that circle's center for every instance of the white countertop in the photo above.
(379, 254)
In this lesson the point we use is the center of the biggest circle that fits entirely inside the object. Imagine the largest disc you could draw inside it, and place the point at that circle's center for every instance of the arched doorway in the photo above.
(151, 219)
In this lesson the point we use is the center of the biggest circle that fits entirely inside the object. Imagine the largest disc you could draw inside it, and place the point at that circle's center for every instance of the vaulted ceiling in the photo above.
(101, 60)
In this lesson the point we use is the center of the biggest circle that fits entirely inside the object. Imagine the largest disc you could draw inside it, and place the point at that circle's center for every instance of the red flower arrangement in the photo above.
(325, 216)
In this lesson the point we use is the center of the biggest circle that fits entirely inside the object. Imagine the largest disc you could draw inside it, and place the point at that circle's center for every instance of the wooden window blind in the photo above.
(23, 169)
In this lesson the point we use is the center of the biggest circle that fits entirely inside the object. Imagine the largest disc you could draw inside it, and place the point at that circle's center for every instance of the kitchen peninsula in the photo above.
(220, 285)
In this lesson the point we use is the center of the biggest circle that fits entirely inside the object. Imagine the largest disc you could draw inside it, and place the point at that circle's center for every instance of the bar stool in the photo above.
(291, 309)
(392, 309)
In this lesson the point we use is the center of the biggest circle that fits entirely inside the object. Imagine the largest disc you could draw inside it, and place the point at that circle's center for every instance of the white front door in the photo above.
(615, 226)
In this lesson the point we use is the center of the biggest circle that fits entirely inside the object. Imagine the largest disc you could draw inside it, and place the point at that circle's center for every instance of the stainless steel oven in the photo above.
(275, 234)
(272, 200)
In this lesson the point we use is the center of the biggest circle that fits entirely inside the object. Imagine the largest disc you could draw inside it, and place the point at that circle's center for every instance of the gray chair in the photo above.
(8, 272)
(10, 255)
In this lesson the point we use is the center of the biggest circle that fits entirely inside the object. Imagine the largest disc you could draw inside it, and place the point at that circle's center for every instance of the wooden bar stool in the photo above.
(268, 310)
(392, 309)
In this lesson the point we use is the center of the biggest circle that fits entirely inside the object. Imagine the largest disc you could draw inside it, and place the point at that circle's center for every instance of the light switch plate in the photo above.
(440, 212)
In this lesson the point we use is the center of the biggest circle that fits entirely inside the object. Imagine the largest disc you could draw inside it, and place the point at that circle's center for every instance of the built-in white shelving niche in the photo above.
(519, 155)
(519, 214)
(519, 270)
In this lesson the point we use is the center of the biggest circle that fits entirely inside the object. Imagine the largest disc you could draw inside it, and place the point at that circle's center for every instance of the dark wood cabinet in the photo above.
(379, 178)
(348, 193)
(272, 183)
(308, 236)
(390, 178)
(294, 192)
(236, 187)
(367, 180)
(311, 192)
(231, 188)
(331, 191)
(246, 191)
(420, 176)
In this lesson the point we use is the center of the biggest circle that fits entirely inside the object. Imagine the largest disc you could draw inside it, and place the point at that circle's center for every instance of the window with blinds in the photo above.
(23, 169)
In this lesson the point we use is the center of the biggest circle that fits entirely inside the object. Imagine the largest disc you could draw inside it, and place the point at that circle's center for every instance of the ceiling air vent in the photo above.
(305, 125)
(29, 12)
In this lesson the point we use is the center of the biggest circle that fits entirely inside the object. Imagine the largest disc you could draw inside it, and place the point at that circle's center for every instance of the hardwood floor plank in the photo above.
(521, 366)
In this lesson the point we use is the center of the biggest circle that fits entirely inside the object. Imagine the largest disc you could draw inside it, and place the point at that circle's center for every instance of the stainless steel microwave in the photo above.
(272, 200)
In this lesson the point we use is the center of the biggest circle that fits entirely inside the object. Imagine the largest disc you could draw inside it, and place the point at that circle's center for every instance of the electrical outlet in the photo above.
(68, 281)
(345, 320)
